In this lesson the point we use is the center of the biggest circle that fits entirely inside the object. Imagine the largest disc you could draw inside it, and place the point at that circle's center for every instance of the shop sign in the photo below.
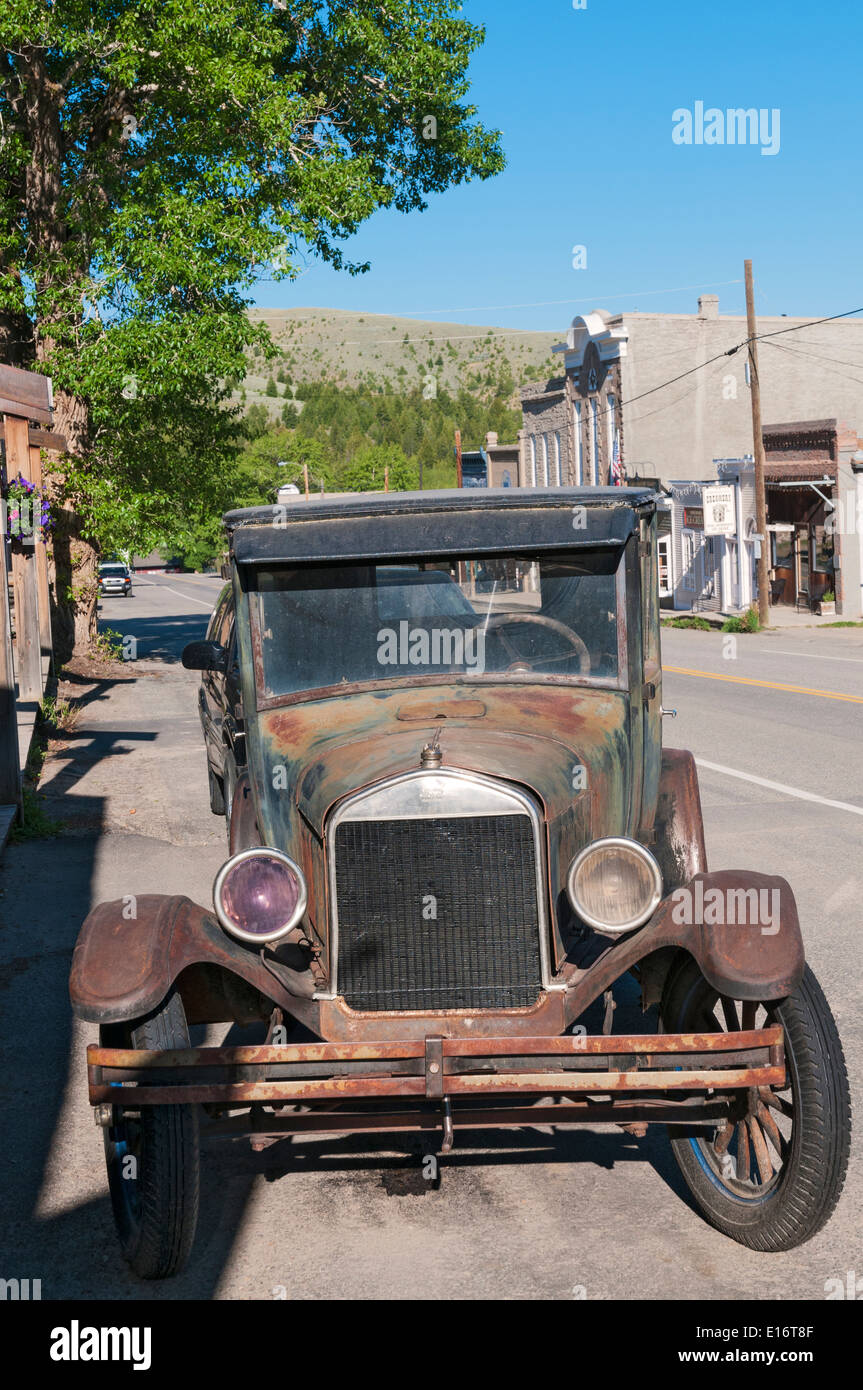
(719, 517)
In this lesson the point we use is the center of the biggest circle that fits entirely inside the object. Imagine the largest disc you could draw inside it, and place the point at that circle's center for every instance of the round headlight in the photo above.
(259, 895)
(614, 885)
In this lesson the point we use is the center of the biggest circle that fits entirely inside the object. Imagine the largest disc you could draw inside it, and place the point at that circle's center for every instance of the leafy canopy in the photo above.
(156, 160)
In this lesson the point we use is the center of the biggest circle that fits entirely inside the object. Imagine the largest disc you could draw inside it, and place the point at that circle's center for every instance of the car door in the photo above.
(234, 730)
(211, 692)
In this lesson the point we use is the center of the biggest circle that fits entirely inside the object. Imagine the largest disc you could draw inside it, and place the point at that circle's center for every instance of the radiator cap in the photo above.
(431, 755)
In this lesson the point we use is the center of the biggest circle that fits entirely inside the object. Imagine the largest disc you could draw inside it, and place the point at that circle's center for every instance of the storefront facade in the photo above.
(803, 494)
(713, 542)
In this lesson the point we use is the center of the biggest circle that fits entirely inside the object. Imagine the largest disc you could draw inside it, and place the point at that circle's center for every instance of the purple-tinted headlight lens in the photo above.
(259, 896)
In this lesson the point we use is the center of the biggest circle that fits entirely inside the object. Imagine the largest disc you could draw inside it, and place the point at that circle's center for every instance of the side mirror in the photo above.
(205, 656)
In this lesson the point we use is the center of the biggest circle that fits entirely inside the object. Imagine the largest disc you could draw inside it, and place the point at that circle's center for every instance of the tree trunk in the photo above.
(73, 558)
(36, 101)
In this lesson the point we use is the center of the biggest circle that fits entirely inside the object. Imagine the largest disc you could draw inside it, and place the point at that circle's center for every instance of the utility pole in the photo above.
(758, 450)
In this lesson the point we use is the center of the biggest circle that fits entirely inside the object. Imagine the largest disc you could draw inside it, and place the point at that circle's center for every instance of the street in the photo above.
(525, 1214)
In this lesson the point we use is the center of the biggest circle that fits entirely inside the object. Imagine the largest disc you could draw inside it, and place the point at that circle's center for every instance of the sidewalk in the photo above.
(781, 616)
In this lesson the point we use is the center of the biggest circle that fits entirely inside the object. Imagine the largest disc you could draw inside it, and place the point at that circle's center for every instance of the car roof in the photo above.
(472, 521)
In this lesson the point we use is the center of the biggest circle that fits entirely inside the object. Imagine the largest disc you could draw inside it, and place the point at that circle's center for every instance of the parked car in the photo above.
(115, 579)
(220, 706)
(455, 831)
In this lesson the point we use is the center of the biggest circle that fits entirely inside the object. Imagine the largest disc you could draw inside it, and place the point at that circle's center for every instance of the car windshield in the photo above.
(323, 626)
(112, 571)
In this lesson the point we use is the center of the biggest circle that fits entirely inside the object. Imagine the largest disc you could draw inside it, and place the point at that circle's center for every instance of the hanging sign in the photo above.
(719, 511)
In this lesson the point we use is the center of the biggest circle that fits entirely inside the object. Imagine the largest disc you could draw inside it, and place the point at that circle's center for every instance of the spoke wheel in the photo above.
(771, 1174)
(152, 1158)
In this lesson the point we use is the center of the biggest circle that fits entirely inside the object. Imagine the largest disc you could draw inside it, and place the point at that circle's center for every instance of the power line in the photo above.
(797, 327)
(798, 352)
(592, 299)
(729, 352)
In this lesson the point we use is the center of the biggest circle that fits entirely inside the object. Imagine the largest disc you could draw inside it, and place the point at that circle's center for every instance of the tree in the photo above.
(271, 388)
(153, 167)
(381, 464)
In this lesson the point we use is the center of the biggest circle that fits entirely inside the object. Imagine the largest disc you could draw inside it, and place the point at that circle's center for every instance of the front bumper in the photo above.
(343, 1087)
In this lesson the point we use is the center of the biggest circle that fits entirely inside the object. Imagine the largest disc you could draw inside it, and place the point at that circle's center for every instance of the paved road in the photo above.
(535, 1214)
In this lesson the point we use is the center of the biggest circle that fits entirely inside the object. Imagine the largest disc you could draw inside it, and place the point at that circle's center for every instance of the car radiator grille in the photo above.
(480, 950)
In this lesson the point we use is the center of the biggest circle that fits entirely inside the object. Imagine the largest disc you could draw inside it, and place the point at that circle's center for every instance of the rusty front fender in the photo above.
(760, 960)
(123, 967)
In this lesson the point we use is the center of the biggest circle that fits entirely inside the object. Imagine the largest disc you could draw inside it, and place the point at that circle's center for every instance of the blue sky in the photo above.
(585, 100)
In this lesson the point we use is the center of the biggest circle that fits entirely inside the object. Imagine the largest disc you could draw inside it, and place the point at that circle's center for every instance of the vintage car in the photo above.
(455, 834)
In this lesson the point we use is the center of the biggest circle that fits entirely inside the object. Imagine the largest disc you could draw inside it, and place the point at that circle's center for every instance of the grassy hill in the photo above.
(376, 349)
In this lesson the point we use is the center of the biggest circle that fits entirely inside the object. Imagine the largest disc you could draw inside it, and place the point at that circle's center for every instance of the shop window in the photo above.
(578, 453)
(782, 543)
(532, 478)
(822, 550)
(687, 545)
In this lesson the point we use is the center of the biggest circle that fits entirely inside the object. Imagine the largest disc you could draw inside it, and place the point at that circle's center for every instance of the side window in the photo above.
(222, 619)
(230, 638)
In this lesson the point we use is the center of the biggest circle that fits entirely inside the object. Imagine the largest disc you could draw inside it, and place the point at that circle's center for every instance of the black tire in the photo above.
(784, 1203)
(217, 792)
(155, 1200)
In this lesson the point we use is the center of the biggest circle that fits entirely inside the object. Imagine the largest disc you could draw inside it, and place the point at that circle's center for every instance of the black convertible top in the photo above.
(457, 521)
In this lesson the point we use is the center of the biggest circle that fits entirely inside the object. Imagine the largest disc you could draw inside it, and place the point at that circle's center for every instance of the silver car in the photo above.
(115, 579)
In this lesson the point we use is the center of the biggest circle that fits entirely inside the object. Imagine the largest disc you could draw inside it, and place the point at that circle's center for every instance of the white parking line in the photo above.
(818, 656)
(187, 597)
(779, 787)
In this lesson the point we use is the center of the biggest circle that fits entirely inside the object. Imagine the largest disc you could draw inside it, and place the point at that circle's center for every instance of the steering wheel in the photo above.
(501, 620)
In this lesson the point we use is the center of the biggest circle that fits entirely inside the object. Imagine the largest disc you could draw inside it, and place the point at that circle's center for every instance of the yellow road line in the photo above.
(770, 685)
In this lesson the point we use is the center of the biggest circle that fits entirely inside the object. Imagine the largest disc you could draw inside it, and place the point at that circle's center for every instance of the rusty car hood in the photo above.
(534, 735)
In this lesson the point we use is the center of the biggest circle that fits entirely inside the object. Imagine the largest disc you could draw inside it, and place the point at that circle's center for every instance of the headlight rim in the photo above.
(260, 938)
(616, 842)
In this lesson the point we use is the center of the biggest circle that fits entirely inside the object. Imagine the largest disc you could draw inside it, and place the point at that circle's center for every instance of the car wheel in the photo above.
(771, 1176)
(153, 1158)
(217, 792)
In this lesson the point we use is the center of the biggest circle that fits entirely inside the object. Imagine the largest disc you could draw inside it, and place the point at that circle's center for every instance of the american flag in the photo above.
(618, 477)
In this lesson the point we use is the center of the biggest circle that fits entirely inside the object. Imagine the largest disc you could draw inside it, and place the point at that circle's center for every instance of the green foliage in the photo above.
(376, 465)
(108, 645)
(205, 546)
(290, 415)
(34, 822)
(256, 421)
(180, 159)
(746, 622)
(701, 624)
(422, 427)
(271, 387)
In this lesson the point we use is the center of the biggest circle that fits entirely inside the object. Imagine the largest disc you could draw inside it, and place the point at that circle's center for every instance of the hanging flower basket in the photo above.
(26, 513)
